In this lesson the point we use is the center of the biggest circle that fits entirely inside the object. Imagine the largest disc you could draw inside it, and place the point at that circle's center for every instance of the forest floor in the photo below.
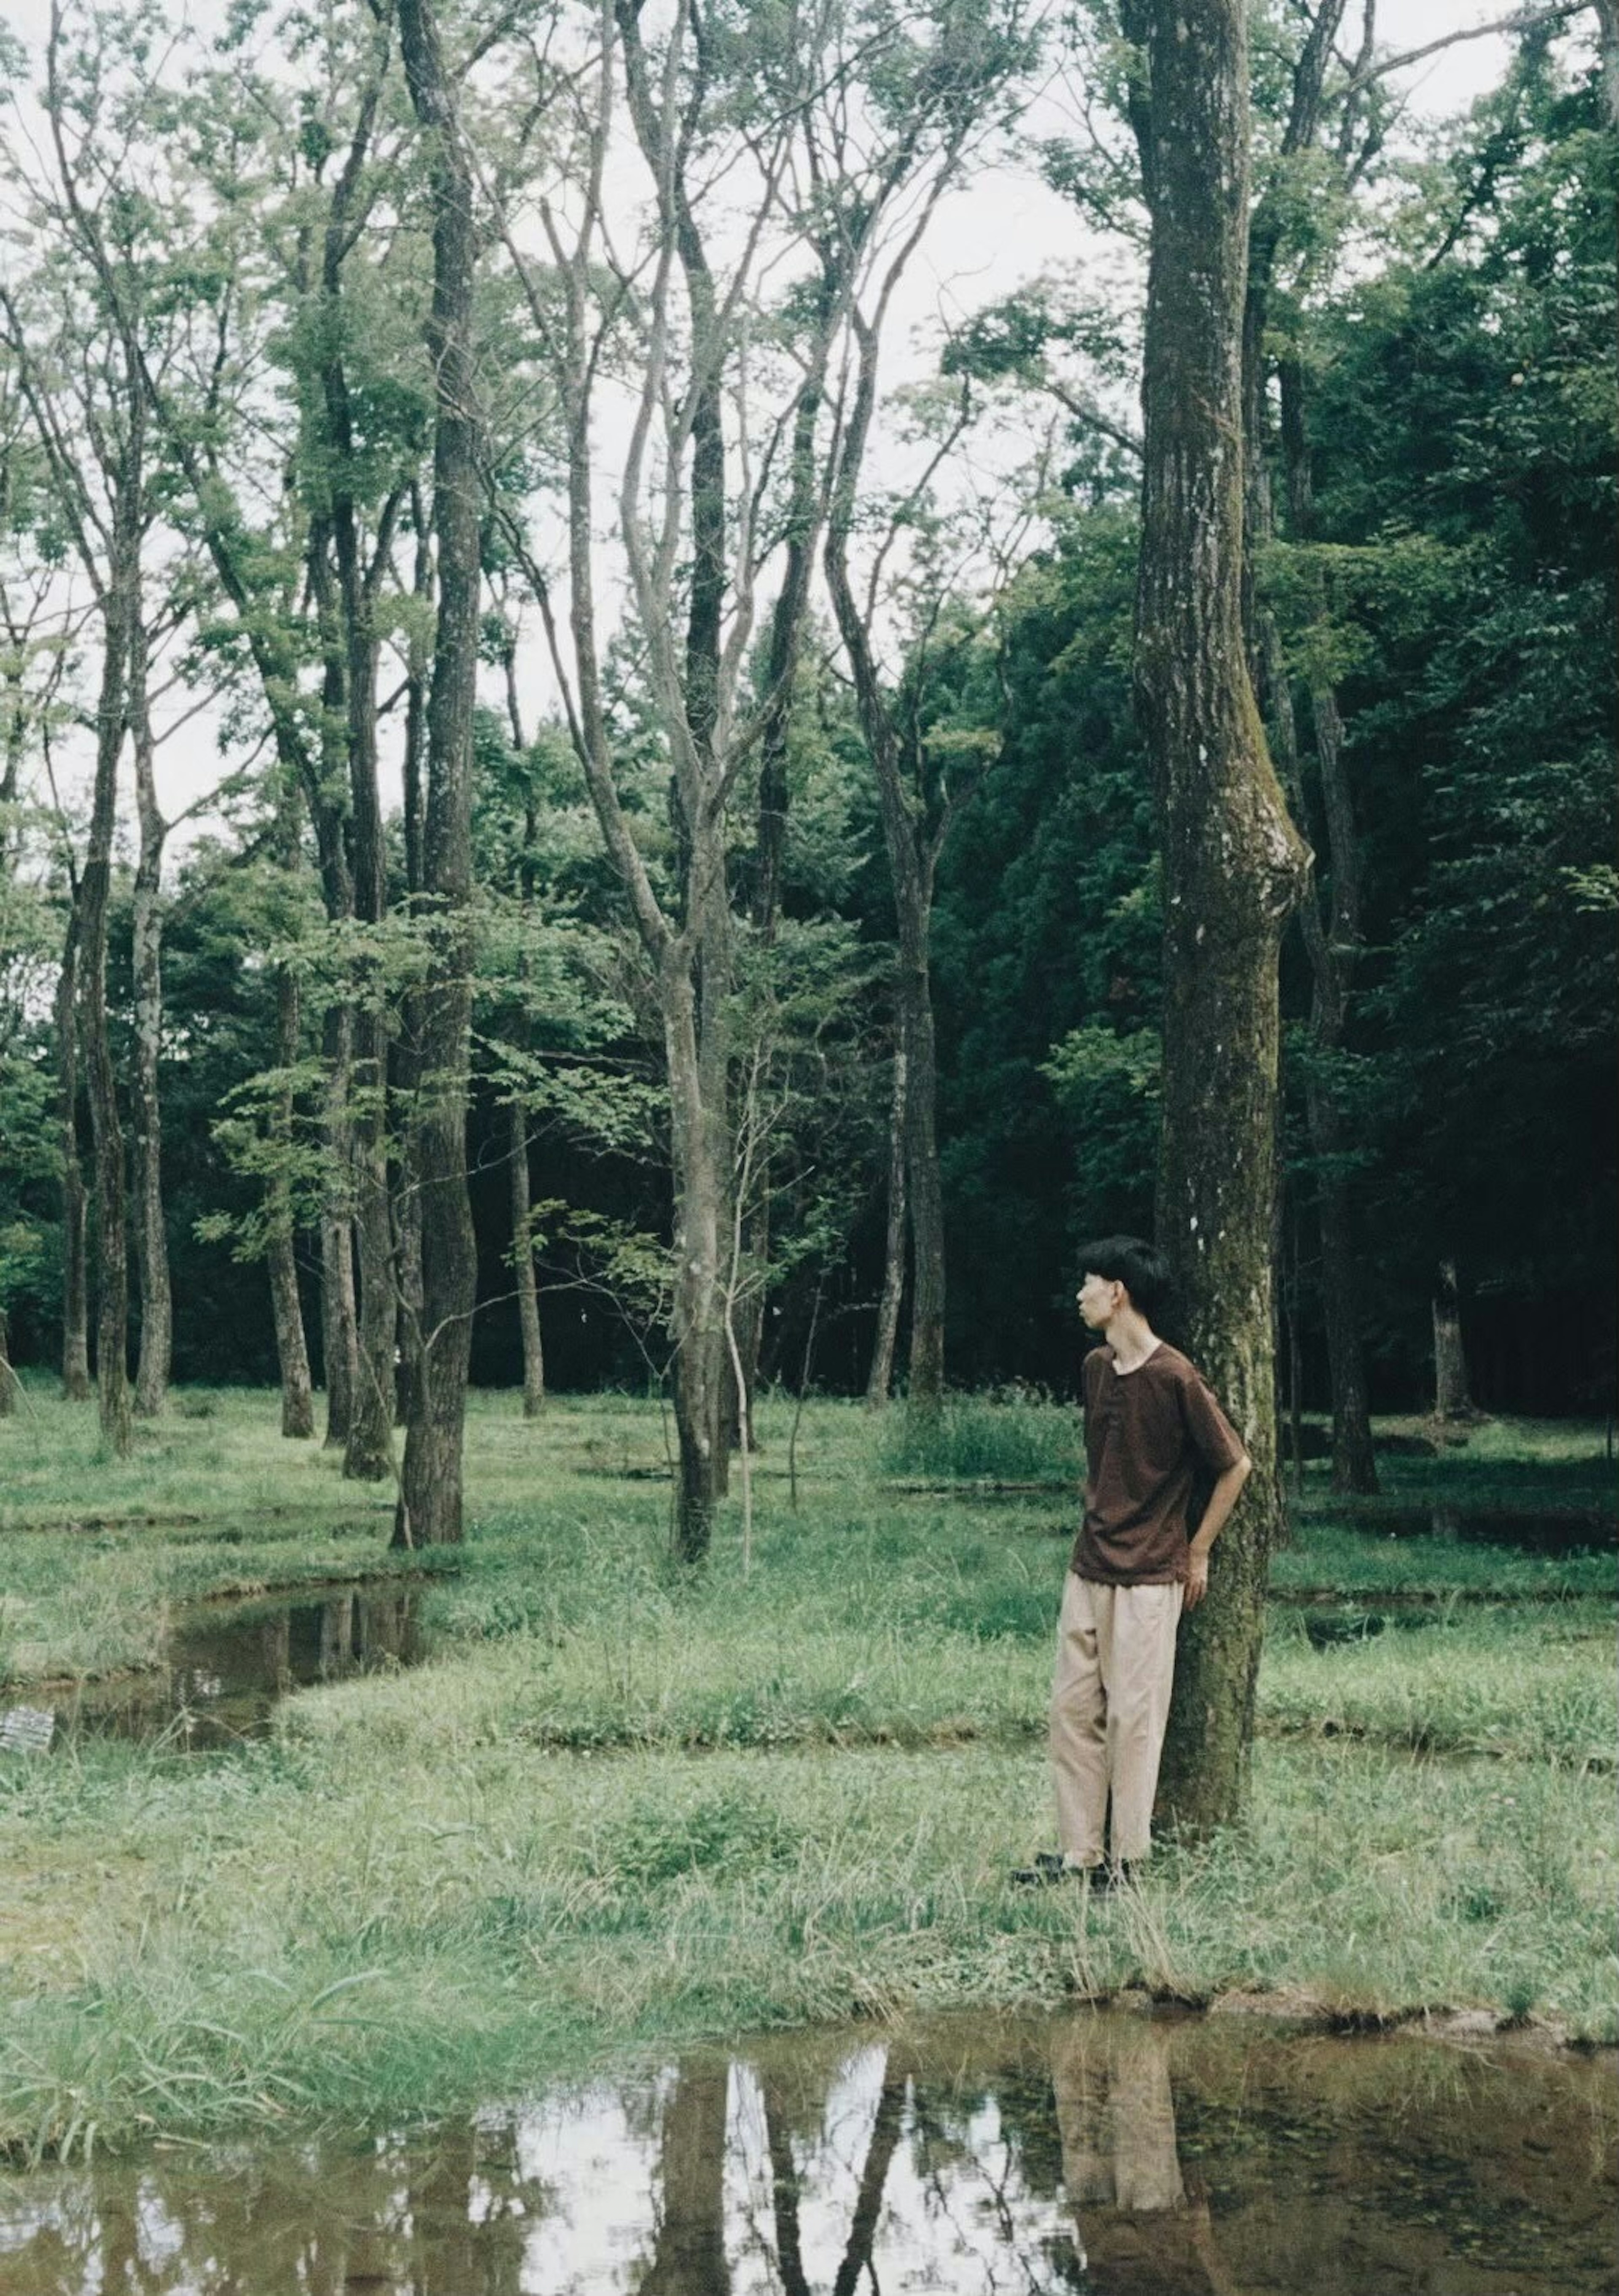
(615, 1807)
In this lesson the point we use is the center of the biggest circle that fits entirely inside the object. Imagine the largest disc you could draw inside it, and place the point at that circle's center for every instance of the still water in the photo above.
(1105, 2153)
(223, 1669)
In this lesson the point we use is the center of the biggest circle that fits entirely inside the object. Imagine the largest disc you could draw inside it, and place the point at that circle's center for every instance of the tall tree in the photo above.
(430, 1504)
(1233, 864)
(698, 488)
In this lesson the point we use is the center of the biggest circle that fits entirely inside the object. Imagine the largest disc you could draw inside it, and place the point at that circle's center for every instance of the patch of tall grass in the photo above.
(1011, 1438)
(1493, 1682)
(1332, 1555)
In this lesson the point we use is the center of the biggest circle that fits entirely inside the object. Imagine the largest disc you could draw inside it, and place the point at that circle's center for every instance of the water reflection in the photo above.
(223, 1667)
(1106, 2154)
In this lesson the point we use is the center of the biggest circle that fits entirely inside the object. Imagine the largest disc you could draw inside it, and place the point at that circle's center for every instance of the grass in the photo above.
(1350, 1559)
(623, 1808)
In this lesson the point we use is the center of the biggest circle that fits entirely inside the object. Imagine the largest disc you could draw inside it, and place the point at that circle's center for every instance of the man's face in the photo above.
(1098, 1300)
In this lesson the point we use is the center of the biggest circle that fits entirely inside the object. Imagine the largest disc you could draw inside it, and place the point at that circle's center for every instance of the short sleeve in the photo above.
(1210, 1433)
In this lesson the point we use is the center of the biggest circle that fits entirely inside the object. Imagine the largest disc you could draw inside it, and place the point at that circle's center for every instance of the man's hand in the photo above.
(1197, 1578)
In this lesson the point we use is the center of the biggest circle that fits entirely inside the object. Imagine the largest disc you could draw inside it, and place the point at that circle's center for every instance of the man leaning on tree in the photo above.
(1163, 1469)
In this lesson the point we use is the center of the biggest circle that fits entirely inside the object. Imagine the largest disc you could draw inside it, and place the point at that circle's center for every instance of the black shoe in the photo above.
(1050, 1867)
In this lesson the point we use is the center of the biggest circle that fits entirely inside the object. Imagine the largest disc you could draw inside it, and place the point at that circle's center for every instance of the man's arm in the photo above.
(1221, 1499)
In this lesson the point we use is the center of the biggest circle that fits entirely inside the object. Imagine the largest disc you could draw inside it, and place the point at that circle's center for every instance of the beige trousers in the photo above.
(1116, 1664)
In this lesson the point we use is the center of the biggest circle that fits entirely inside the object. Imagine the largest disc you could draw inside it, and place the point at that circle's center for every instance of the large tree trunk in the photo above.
(522, 1261)
(429, 1505)
(1233, 865)
(1452, 1398)
(881, 1384)
(286, 1307)
(152, 1238)
(75, 1279)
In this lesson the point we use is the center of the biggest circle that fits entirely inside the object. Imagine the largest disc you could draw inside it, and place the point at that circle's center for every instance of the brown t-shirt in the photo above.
(1155, 1440)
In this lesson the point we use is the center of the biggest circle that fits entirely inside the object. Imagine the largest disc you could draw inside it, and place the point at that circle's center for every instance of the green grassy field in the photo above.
(621, 1806)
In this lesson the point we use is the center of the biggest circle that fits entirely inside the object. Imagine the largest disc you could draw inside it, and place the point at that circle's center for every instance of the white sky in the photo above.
(1006, 228)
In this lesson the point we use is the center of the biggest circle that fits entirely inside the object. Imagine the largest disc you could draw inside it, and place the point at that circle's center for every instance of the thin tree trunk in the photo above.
(925, 1192)
(120, 606)
(291, 1349)
(879, 1386)
(702, 1367)
(429, 1505)
(1331, 924)
(338, 1330)
(1453, 1398)
(1233, 865)
(522, 1260)
(368, 1453)
(74, 1280)
(407, 1057)
(152, 1238)
(522, 1240)
(912, 860)
(880, 2149)
(1296, 1369)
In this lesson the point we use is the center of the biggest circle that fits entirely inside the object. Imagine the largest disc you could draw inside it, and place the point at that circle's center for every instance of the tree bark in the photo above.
(407, 1063)
(522, 1260)
(146, 1113)
(120, 604)
(368, 1453)
(1233, 865)
(339, 1340)
(75, 1279)
(881, 1384)
(1452, 1398)
(286, 1307)
(429, 1505)
(702, 1374)
(8, 1377)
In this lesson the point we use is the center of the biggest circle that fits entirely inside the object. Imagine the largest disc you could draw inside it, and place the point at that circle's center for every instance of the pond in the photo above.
(223, 1667)
(1104, 2152)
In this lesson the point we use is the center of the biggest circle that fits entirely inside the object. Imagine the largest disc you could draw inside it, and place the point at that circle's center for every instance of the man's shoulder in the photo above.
(1094, 1362)
(1171, 1369)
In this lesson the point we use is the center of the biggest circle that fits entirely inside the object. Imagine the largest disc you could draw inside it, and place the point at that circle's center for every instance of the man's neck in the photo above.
(1131, 1338)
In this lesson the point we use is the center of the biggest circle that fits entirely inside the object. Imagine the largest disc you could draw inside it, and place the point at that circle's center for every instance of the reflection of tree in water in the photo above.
(978, 2152)
(993, 2157)
(446, 2221)
(688, 2258)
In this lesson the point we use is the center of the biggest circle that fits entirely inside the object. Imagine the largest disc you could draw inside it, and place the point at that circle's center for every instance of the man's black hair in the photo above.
(1139, 1266)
